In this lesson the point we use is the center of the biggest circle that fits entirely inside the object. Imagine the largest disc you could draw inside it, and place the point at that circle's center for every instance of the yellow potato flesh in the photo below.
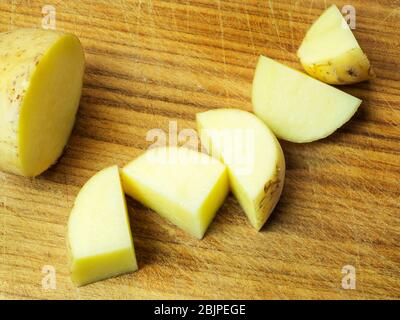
(184, 186)
(297, 107)
(99, 235)
(253, 156)
(331, 53)
(40, 87)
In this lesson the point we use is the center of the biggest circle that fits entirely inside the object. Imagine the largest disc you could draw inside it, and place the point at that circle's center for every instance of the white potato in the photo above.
(331, 53)
(41, 74)
(182, 185)
(296, 107)
(253, 156)
(99, 235)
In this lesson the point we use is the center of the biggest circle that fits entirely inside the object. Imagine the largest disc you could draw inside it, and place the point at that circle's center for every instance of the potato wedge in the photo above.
(331, 53)
(253, 156)
(99, 235)
(296, 107)
(182, 185)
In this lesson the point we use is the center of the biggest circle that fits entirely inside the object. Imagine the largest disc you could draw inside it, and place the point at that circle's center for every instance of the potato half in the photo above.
(41, 74)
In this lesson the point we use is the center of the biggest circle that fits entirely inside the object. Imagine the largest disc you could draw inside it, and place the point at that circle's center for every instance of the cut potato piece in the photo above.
(99, 235)
(297, 107)
(184, 186)
(253, 156)
(331, 53)
(41, 74)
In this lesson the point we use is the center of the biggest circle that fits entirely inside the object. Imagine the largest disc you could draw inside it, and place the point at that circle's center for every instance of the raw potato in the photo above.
(41, 74)
(253, 156)
(184, 186)
(296, 107)
(331, 53)
(99, 235)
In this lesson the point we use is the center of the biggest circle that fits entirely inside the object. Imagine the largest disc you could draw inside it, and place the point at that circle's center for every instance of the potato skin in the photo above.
(272, 192)
(351, 67)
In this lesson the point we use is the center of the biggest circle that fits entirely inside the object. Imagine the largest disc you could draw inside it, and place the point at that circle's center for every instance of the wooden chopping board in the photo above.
(152, 62)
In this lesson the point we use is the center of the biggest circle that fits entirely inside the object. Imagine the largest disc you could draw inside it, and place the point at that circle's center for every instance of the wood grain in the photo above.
(150, 62)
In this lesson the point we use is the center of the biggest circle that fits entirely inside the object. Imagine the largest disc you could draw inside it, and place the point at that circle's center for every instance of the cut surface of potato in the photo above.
(331, 53)
(297, 107)
(99, 235)
(41, 73)
(253, 156)
(182, 185)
